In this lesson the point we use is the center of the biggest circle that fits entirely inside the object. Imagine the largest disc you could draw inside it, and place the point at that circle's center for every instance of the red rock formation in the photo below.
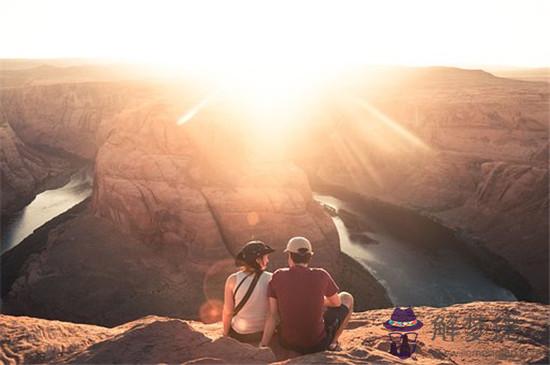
(46, 131)
(25, 170)
(73, 118)
(155, 339)
(87, 271)
(178, 185)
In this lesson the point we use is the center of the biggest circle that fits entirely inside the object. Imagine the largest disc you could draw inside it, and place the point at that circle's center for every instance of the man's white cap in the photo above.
(299, 245)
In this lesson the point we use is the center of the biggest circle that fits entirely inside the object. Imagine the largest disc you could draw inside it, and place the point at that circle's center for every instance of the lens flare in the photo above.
(211, 311)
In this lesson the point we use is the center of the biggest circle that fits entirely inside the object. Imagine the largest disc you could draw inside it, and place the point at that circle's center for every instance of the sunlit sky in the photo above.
(429, 32)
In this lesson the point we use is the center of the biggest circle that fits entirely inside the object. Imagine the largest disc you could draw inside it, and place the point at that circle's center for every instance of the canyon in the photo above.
(466, 148)
(173, 201)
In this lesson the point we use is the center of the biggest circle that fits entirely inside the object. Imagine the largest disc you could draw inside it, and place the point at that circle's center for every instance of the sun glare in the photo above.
(273, 59)
(272, 100)
(274, 97)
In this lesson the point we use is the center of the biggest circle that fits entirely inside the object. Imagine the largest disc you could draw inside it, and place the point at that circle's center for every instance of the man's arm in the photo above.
(228, 304)
(271, 322)
(332, 299)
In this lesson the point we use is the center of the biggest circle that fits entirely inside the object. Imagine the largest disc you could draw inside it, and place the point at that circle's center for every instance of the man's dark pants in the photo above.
(334, 317)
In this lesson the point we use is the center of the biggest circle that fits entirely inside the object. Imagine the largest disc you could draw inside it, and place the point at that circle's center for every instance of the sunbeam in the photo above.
(393, 125)
(190, 114)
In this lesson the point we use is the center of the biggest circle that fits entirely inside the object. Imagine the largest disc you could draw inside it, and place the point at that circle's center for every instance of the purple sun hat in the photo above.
(403, 320)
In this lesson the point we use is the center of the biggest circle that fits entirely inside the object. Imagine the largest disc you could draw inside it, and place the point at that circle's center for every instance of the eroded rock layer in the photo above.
(48, 130)
(25, 170)
(509, 333)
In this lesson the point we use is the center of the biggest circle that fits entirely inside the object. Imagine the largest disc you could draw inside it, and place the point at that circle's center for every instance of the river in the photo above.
(44, 207)
(427, 270)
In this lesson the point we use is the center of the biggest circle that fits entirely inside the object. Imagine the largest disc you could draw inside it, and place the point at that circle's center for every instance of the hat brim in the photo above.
(416, 326)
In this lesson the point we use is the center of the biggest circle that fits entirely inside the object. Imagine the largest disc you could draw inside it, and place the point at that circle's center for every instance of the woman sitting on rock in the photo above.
(246, 305)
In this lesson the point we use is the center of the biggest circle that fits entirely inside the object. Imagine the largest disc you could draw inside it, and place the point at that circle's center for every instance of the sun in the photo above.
(274, 101)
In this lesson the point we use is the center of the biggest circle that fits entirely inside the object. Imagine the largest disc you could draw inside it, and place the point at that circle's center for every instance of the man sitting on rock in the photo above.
(312, 313)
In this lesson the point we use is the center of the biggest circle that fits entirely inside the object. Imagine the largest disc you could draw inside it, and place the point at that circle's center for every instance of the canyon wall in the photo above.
(25, 171)
(71, 118)
(48, 131)
(463, 147)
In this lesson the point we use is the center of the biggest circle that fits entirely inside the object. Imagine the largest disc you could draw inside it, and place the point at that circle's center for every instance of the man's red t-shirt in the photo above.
(300, 293)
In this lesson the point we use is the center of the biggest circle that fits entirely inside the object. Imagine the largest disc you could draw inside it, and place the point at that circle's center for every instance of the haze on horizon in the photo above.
(311, 34)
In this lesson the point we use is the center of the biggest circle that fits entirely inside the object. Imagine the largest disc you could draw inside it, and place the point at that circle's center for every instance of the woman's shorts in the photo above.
(248, 337)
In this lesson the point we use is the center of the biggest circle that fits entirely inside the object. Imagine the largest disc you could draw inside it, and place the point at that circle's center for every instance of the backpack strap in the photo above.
(239, 285)
(248, 292)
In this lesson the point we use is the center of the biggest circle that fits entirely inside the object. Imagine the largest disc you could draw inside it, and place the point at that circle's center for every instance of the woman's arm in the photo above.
(271, 322)
(228, 304)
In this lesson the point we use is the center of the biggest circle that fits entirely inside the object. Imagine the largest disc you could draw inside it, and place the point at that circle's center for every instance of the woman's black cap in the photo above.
(251, 251)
